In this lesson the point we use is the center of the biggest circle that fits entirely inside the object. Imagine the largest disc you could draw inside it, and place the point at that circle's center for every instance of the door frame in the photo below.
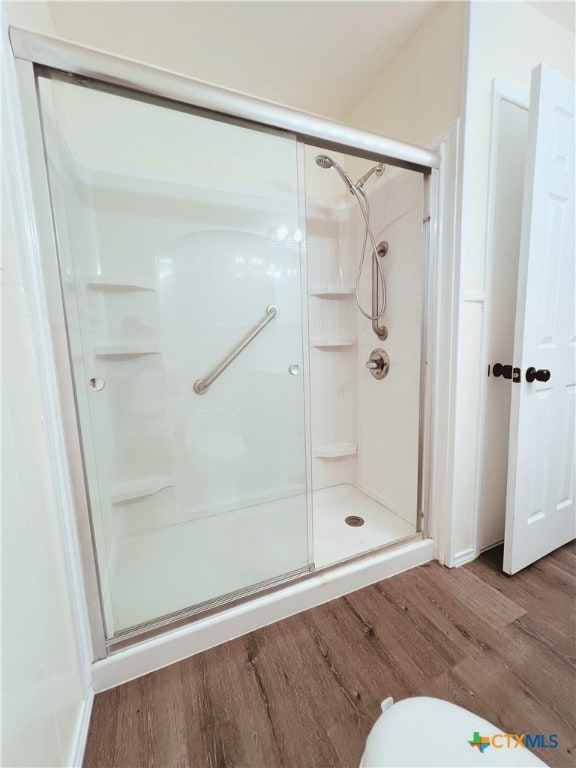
(441, 302)
(501, 92)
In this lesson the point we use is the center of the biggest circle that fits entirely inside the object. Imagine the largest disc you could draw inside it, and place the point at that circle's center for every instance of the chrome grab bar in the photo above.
(380, 330)
(202, 385)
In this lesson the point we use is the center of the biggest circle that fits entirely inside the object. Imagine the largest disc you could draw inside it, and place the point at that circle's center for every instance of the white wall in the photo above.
(506, 41)
(45, 689)
(308, 55)
(417, 95)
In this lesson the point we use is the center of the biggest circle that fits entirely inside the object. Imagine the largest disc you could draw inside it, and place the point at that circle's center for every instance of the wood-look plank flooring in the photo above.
(304, 693)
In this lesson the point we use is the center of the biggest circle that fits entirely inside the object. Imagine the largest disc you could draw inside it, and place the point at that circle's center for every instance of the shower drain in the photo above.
(354, 520)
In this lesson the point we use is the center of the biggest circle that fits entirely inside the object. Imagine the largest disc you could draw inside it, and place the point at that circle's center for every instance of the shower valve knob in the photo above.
(378, 363)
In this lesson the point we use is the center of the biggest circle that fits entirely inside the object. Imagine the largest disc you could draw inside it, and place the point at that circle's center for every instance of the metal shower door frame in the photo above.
(322, 132)
(31, 49)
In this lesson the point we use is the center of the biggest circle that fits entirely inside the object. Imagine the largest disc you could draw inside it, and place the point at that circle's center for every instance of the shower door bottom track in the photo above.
(205, 608)
(145, 631)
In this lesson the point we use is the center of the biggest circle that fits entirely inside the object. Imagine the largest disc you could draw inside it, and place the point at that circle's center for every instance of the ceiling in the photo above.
(316, 56)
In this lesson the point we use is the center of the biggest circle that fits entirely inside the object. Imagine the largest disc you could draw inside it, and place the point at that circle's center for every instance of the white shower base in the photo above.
(335, 541)
(219, 554)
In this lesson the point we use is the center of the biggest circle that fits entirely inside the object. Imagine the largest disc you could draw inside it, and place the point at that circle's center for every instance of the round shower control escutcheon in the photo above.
(378, 363)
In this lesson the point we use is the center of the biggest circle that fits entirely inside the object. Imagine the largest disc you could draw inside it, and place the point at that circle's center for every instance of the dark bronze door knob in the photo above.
(502, 370)
(542, 374)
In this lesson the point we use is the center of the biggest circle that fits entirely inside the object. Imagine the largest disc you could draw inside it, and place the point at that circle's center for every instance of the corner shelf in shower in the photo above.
(331, 292)
(104, 283)
(137, 489)
(332, 343)
(127, 350)
(335, 451)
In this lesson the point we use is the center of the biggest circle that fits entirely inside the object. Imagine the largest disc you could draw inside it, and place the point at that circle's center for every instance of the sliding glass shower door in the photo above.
(180, 245)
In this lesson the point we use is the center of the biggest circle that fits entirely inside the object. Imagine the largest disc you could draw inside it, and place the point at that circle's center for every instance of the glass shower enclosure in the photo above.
(181, 237)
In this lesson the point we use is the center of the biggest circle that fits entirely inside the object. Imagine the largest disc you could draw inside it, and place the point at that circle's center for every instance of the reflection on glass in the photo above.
(175, 232)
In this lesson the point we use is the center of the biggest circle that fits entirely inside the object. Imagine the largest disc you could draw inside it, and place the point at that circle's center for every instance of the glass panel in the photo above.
(176, 232)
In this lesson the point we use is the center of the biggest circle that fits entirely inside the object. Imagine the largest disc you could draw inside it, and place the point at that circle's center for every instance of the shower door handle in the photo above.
(202, 385)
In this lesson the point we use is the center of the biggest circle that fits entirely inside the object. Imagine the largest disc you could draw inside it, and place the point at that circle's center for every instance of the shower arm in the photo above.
(202, 385)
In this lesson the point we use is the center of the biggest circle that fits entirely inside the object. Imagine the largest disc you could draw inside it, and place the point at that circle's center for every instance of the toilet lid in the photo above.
(429, 732)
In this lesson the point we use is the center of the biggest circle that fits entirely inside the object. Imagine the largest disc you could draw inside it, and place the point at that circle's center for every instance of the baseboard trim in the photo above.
(463, 557)
(81, 734)
(488, 547)
(177, 644)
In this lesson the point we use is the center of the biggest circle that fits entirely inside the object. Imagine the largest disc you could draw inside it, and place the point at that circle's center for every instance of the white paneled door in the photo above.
(540, 513)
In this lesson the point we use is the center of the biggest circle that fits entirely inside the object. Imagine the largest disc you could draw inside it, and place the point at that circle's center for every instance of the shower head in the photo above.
(326, 162)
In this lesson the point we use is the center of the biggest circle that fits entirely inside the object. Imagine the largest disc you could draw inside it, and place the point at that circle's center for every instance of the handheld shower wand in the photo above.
(326, 162)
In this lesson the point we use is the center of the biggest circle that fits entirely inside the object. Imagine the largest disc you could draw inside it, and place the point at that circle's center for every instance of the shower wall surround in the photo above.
(365, 431)
(389, 410)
